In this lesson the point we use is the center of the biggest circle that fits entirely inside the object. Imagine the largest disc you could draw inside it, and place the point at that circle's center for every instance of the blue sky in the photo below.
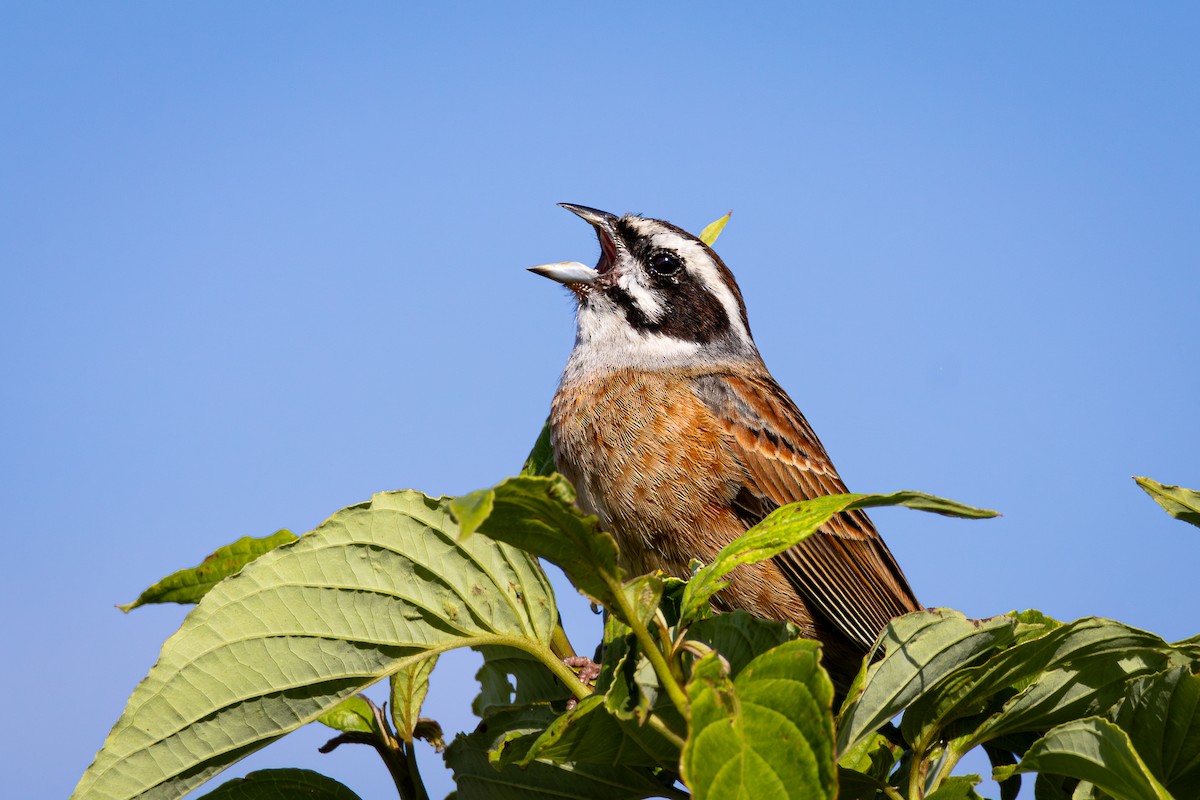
(262, 261)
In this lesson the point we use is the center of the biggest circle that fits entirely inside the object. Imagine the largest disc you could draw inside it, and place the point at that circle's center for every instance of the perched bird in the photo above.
(676, 436)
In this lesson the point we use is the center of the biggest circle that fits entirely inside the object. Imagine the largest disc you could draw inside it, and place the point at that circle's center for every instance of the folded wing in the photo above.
(845, 571)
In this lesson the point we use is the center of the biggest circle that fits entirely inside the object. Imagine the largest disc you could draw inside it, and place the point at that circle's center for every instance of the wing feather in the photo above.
(845, 571)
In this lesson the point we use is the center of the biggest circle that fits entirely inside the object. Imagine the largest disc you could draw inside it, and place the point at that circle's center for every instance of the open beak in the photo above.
(567, 272)
(572, 272)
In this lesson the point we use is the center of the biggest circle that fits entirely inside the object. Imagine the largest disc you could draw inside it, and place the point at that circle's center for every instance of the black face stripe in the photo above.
(633, 312)
(690, 312)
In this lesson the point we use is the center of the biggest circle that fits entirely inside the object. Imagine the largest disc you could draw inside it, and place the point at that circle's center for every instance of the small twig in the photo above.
(397, 756)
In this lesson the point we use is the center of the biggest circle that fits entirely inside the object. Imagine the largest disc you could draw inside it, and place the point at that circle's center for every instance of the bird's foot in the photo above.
(586, 670)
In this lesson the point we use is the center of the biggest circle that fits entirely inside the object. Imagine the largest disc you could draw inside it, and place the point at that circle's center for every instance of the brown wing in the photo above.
(845, 571)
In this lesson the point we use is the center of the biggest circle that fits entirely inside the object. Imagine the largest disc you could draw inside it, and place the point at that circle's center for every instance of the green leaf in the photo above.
(1085, 667)
(854, 785)
(510, 678)
(1161, 714)
(589, 734)
(791, 524)
(410, 684)
(1032, 623)
(956, 787)
(1180, 503)
(713, 229)
(741, 637)
(536, 515)
(189, 585)
(540, 461)
(478, 776)
(1053, 787)
(1097, 751)
(306, 626)
(1188, 649)
(1076, 669)
(281, 784)
(1010, 789)
(627, 680)
(471, 510)
(920, 650)
(873, 757)
(352, 714)
(645, 593)
(766, 733)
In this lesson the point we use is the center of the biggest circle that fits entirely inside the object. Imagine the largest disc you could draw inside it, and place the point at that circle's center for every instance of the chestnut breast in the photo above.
(648, 459)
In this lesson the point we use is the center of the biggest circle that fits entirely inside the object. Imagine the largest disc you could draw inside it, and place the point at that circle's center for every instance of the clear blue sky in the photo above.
(260, 261)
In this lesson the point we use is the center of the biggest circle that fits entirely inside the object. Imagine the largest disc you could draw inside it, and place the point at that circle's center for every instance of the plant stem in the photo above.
(665, 731)
(410, 756)
(949, 762)
(392, 751)
(916, 768)
(628, 615)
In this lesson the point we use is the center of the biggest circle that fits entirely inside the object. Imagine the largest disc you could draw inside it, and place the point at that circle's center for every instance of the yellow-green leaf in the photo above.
(189, 585)
(713, 229)
(1179, 502)
(409, 687)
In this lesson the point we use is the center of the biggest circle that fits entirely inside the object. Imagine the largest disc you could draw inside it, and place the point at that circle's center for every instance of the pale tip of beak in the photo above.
(566, 272)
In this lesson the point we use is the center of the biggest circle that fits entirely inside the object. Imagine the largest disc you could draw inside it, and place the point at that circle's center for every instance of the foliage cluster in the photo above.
(289, 630)
(686, 701)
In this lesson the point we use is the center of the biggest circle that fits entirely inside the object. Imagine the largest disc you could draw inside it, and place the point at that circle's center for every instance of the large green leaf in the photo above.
(536, 514)
(741, 637)
(281, 784)
(480, 775)
(1080, 669)
(788, 526)
(1161, 714)
(1087, 665)
(1094, 750)
(376, 587)
(1179, 502)
(920, 650)
(766, 733)
(189, 585)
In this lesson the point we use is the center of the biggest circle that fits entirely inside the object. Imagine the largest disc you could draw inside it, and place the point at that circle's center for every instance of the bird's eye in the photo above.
(664, 263)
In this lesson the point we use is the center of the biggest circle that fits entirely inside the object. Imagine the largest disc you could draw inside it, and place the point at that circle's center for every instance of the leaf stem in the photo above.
(542, 652)
(551, 661)
(559, 642)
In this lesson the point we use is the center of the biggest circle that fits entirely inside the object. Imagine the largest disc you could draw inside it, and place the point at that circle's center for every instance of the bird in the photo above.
(673, 433)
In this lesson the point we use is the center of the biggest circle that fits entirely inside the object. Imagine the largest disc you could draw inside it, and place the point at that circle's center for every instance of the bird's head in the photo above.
(657, 298)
